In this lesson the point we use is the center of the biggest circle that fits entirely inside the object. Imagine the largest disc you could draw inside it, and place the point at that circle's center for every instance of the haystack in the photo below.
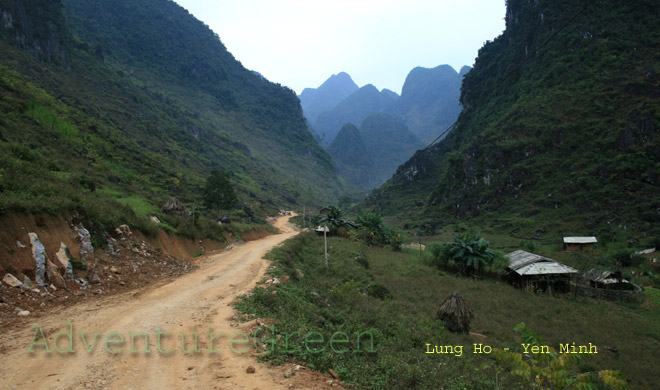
(456, 313)
(175, 207)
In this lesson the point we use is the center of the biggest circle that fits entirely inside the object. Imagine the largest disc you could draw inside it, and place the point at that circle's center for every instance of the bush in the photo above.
(625, 258)
(470, 252)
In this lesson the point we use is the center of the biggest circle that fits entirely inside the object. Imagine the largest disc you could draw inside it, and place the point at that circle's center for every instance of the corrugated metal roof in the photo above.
(580, 240)
(525, 263)
(596, 274)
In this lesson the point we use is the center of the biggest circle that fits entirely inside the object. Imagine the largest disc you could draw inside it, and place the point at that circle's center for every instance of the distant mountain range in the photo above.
(392, 127)
(315, 101)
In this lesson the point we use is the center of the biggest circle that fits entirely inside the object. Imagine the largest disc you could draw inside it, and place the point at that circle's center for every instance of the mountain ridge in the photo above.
(560, 128)
(134, 119)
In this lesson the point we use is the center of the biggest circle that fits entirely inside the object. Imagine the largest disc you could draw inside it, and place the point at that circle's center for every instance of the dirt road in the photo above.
(197, 303)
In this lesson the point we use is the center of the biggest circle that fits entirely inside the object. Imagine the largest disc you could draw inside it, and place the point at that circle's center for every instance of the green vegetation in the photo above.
(218, 192)
(552, 370)
(342, 298)
(559, 131)
(113, 120)
(469, 252)
(351, 158)
(335, 221)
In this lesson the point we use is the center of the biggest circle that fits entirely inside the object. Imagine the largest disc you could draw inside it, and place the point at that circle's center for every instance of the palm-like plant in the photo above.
(471, 251)
(335, 220)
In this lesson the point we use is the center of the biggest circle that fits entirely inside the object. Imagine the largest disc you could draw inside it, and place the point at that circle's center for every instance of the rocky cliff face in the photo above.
(561, 123)
(429, 100)
(43, 34)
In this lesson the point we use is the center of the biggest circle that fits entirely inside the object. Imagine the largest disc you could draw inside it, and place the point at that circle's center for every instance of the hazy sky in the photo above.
(300, 43)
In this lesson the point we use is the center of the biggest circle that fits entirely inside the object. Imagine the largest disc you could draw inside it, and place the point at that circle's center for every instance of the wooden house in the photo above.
(539, 273)
(609, 280)
(578, 244)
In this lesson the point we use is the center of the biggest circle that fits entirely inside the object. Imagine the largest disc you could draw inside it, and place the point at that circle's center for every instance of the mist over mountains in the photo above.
(392, 127)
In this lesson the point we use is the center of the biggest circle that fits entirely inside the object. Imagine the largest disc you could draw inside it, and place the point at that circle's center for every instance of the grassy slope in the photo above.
(125, 131)
(329, 300)
(568, 141)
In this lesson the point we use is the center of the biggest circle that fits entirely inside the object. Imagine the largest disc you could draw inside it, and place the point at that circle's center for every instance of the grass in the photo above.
(333, 299)
(140, 205)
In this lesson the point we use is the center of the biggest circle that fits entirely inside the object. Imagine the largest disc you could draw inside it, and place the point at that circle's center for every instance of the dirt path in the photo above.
(197, 302)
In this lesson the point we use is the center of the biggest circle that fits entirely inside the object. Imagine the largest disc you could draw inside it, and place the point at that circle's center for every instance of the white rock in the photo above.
(11, 281)
(23, 313)
(63, 257)
(27, 282)
(20, 244)
(86, 247)
(39, 255)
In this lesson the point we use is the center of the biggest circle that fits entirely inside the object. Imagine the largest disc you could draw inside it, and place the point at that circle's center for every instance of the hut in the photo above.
(578, 244)
(532, 271)
(609, 280)
(611, 286)
(325, 210)
(456, 313)
(174, 206)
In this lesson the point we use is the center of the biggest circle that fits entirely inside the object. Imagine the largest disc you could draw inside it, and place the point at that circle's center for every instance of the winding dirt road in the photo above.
(198, 302)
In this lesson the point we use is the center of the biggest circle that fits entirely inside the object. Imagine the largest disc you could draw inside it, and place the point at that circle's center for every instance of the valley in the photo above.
(493, 226)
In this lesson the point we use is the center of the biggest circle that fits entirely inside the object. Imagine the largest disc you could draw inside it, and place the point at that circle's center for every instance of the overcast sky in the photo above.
(300, 43)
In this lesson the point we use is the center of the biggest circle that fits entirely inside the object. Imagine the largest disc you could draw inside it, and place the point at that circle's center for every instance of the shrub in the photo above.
(469, 251)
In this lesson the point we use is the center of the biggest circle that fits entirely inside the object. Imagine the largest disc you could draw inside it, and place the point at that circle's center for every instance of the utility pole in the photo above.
(303, 226)
(325, 244)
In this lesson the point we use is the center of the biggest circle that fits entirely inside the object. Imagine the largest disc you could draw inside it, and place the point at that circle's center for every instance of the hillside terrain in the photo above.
(351, 158)
(429, 101)
(560, 129)
(104, 101)
(367, 157)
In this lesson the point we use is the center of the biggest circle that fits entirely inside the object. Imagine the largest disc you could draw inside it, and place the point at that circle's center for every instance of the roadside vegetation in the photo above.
(395, 295)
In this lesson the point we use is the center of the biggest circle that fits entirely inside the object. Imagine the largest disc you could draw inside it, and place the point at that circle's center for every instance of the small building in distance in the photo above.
(609, 285)
(577, 244)
(325, 210)
(599, 278)
(531, 271)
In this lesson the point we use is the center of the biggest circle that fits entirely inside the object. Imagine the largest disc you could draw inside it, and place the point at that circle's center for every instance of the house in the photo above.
(611, 286)
(529, 270)
(578, 244)
(609, 280)
(325, 210)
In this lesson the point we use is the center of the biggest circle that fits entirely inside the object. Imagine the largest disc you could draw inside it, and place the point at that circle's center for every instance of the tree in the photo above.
(470, 251)
(336, 220)
(218, 192)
